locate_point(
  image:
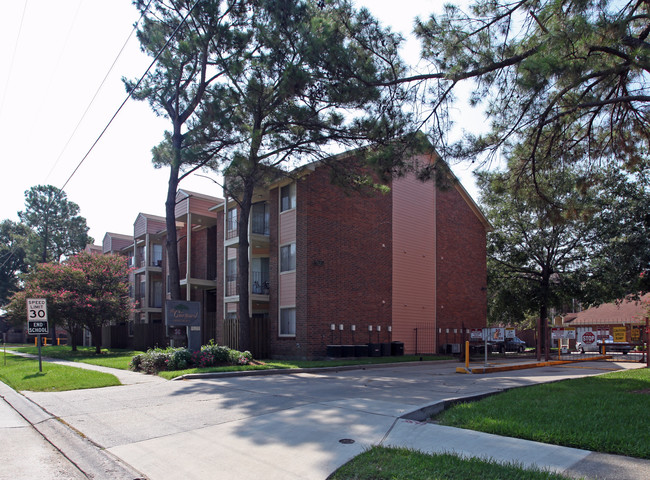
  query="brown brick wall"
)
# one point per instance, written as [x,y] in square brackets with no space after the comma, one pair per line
[343,267]
[461,268]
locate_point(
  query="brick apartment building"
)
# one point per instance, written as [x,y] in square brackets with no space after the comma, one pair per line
[328,266]
[331,266]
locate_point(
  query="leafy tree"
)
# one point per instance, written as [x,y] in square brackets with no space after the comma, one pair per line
[622,265]
[538,251]
[294,78]
[104,296]
[550,73]
[303,84]
[14,238]
[59,229]
[85,291]
[181,34]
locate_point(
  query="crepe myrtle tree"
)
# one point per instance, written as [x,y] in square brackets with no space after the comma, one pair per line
[85,291]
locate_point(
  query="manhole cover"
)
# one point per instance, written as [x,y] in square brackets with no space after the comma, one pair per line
[346,440]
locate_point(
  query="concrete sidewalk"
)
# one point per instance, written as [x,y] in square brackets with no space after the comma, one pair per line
[286,425]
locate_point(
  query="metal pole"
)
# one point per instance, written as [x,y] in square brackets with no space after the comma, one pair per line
[40,362]
[647,341]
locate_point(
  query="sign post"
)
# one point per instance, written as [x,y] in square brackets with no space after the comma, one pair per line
[37,322]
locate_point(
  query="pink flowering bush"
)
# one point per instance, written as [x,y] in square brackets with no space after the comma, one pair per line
[211,355]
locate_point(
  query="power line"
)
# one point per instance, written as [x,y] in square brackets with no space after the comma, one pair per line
[13,57]
[130,93]
[135,26]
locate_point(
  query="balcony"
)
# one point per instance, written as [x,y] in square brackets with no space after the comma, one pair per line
[260,283]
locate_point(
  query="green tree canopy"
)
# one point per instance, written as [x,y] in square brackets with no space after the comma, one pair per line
[538,249]
[85,291]
[182,35]
[304,85]
[59,229]
[549,73]
[14,239]
[293,79]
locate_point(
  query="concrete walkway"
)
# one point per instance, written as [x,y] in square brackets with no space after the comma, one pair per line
[283,426]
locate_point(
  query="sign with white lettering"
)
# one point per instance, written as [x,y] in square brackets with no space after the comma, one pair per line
[37,316]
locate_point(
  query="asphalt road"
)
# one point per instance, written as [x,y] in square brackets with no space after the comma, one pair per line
[273,427]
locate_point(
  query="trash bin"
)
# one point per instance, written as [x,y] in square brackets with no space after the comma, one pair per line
[347,350]
[374,349]
[385,349]
[334,351]
[361,350]
[397,348]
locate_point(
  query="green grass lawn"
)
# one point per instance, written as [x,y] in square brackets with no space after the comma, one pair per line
[380,463]
[291,364]
[113,358]
[605,413]
[22,373]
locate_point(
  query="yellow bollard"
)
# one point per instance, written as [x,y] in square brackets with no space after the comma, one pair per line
[36,341]
[58,341]
[466,353]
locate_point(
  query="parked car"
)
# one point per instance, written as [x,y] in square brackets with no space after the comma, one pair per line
[515,344]
[610,346]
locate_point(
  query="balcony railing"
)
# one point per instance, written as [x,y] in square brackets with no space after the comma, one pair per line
[260,224]
[231,228]
[260,283]
[232,288]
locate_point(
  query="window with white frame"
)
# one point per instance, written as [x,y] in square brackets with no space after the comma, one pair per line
[288,258]
[288,197]
[288,322]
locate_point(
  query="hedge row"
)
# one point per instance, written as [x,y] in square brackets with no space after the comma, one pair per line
[158,359]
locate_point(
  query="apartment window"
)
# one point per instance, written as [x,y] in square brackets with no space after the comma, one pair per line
[231,223]
[156,294]
[157,253]
[288,197]
[260,218]
[288,258]
[287,322]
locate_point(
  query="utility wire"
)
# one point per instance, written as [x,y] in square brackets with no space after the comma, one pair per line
[130,94]
[13,57]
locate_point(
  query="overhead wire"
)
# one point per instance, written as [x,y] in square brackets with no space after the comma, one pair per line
[130,93]
[13,57]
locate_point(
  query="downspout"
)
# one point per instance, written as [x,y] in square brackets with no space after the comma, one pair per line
[188,255]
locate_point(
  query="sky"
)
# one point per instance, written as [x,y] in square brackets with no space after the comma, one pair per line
[60,85]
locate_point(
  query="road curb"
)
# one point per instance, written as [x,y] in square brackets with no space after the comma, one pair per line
[91,459]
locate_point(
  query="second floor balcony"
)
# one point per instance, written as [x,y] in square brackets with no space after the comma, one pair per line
[259,284]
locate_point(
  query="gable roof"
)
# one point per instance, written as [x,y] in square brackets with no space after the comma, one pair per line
[627,311]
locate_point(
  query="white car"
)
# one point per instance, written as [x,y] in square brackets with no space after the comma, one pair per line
[610,346]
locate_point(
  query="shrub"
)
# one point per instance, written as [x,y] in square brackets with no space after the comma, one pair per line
[179,358]
[220,353]
[157,359]
[153,361]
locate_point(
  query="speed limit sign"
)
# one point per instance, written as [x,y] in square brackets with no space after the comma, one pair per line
[36,316]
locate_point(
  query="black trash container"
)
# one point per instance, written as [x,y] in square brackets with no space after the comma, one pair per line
[347,350]
[385,349]
[374,349]
[361,351]
[397,348]
[334,351]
